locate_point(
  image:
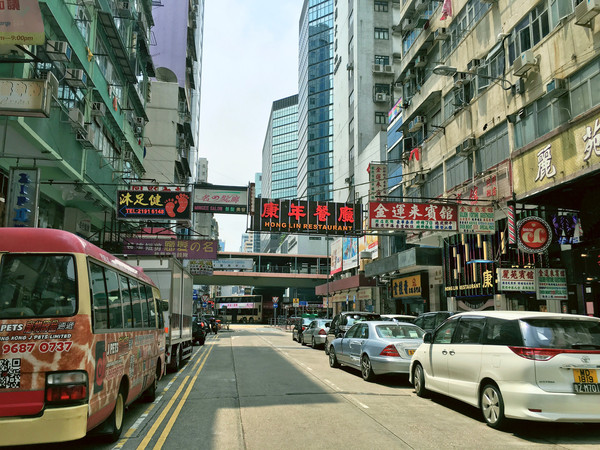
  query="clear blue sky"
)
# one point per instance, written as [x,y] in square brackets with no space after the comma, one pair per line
[250,60]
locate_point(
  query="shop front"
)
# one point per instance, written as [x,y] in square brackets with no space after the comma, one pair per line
[410,293]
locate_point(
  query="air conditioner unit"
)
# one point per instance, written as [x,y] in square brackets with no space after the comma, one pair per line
[98,109]
[410,73]
[408,24]
[377,68]
[420,61]
[123,8]
[586,11]
[467,147]
[140,121]
[416,124]
[381,97]
[418,180]
[127,155]
[556,87]
[58,50]
[138,131]
[473,65]
[441,34]
[388,69]
[421,5]
[76,78]
[524,62]
[407,145]
[77,118]
[460,79]
[86,136]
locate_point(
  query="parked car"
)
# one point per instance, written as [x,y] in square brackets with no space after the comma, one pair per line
[514,364]
[398,318]
[376,348]
[343,321]
[301,324]
[315,333]
[431,320]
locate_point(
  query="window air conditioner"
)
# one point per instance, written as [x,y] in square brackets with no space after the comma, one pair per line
[381,97]
[408,24]
[377,68]
[77,118]
[524,62]
[86,136]
[98,109]
[418,180]
[76,78]
[586,11]
[421,5]
[58,50]
[140,121]
[441,34]
[460,79]
[388,69]
[556,87]
[467,147]
[416,124]
[420,61]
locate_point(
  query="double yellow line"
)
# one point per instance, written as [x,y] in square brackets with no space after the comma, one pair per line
[163,436]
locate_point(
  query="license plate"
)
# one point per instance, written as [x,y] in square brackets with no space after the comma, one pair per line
[586,381]
[410,352]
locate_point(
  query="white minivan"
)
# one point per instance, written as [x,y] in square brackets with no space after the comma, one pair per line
[514,364]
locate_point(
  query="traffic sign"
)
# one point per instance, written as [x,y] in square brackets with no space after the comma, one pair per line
[275,300]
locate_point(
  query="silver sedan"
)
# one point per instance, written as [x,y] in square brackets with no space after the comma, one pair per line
[316,333]
[377,348]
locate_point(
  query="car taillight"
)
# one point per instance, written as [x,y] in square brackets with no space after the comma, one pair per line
[322,332]
[390,350]
[536,354]
[303,328]
[66,387]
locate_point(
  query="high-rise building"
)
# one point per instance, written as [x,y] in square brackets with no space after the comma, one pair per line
[315,101]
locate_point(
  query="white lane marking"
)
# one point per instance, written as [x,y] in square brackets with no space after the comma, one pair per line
[357,402]
[331,384]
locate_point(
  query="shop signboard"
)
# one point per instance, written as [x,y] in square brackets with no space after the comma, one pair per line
[350,252]
[306,217]
[413,216]
[551,284]
[474,219]
[201,267]
[153,205]
[378,181]
[220,199]
[233,264]
[179,248]
[516,279]
[336,251]
[21,23]
[23,197]
[534,234]
[407,287]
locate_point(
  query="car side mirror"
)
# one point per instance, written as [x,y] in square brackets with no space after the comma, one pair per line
[427,337]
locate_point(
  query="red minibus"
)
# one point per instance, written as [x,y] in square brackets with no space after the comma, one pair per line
[81,337]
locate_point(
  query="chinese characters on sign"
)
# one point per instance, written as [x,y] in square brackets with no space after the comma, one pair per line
[301,216]
[476,219]
[201,267]
[183,249]
[518,279]
[153,205]
[412,216]
[545,167]
[221,199]
[407,287]
[378,176]
[592,140]
[23,195]
[551,284]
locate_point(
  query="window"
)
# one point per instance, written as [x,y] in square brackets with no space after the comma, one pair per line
[458,169]
[493,148]
[382,33]
[383,60]
[540,118]
[469,331]
[380,6]
[529,32]
[99,297]
[435,183]
[352,332]
[585,88]
[126,299]
[380,118]
[444,333]
[139,315]
[115,313]
[502,332]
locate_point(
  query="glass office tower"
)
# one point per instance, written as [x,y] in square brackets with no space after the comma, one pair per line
[315,101]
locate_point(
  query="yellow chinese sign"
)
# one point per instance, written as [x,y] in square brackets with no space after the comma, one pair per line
[407,287]
[558,159]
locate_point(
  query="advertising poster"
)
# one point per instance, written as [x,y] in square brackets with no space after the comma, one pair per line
[335,253]
[350,253]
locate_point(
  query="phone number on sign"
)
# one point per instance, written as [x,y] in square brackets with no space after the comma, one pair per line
[43,347]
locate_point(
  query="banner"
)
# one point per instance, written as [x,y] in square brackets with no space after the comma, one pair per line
[179,248]
[152,205]
[412,216]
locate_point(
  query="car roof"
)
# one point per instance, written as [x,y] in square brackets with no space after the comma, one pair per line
[387,323]
[515,315]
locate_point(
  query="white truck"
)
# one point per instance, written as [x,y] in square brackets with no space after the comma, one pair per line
[176,291]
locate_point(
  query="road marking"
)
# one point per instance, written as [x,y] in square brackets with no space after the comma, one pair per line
[359,403]
[162,416]
[331,384]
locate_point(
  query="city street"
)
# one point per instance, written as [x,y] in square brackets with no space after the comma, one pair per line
[252,387]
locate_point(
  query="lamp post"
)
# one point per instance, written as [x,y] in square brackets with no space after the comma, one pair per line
[449,71]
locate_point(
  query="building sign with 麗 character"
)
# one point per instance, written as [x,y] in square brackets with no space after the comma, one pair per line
[152,205]
[302,216]
[179,248]
[407,287]
[220,199]
[412,216]
[516,279]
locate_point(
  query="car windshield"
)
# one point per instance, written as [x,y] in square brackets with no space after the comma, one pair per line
[321,323]
[37,286]
[392,331]
[565,334]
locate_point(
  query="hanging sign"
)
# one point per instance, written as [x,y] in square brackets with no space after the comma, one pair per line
[151,205]
[551,284]
[23,197]
[518,279]
[412,216]
[476,219]
[534,234]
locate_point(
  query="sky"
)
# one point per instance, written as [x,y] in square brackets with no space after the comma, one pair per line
[250,60]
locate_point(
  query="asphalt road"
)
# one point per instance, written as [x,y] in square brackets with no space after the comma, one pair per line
[254,388]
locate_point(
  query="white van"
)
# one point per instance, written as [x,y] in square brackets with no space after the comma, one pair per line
[514,364]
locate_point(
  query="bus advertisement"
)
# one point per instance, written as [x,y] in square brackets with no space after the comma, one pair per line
[80,337]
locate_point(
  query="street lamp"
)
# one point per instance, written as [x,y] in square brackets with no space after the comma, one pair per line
[449,71]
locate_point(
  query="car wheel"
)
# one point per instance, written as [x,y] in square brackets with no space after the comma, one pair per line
[326,347]
[333,362]
[419,381]
[366,368]
[492,406]
[302,339]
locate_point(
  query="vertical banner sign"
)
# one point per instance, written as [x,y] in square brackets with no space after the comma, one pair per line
[23,197]
[378,176]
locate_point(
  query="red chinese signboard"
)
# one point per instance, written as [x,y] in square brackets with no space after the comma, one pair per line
[301,216]
[534,235]
[412,216]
